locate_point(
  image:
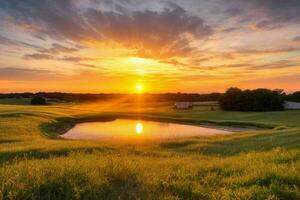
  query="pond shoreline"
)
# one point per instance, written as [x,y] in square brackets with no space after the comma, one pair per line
[141,130]
[62,125]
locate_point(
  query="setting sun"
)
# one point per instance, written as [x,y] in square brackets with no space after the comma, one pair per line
[139,88]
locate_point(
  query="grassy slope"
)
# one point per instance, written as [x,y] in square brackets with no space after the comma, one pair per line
[252,165]
[15,101]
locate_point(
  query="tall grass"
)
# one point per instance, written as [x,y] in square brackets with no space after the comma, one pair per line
[263,175]
[259,164]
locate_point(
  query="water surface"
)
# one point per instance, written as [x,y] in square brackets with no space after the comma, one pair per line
[123,129]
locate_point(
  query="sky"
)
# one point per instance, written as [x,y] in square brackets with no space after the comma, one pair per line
[166,46]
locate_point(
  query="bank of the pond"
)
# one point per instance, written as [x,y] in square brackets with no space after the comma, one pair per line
[60,126]
[131,130]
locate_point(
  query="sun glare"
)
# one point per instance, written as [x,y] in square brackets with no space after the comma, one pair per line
[137,60]
[139,88]
[139,128]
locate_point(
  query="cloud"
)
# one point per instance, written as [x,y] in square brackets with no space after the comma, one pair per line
[253,66]
[297,39]
[90,66]
[57,48]
[48,18]
[279,10]
[38,56]
[151,33]
[75,59]
[21,74]
[276,65]
[6,41]
[234,11]
[267,51]
[229,30]
[265,24]
[267,14]
[160,33]
[15,43]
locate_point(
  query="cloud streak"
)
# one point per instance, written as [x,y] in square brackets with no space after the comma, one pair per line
[23,74]
[74,59]
[58,48]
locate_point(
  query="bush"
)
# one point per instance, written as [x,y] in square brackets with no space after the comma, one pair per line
[38,100]
[236,99]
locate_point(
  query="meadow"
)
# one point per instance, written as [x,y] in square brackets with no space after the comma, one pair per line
[36,164]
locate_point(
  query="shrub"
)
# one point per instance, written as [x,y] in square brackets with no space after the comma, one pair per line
[38,100]
[236,99]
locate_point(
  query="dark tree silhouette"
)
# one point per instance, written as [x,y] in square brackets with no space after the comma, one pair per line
[236,99]
[38,100]
[294,97]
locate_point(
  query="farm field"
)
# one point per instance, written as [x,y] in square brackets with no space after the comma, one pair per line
[36,164]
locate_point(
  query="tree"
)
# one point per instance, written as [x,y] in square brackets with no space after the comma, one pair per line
[231,99]
[294,97]
[38,100]
[261,99]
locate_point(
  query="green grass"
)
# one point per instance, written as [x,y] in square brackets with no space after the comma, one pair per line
[36,164]
[15,101]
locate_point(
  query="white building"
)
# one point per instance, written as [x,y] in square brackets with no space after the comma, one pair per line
[183,105]
[289,105]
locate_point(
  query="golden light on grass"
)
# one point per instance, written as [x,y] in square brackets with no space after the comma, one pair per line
[139,128]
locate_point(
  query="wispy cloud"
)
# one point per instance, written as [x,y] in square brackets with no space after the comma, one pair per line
[58,48]
[23,74]
[38,56]
[296,39]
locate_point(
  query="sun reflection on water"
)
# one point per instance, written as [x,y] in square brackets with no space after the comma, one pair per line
[139,128]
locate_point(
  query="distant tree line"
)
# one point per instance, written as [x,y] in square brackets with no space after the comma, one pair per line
[16,95]
[81,97]
[233,99]
[236,99]
[182,97]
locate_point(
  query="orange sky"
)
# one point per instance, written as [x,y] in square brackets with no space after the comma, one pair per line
[112,46]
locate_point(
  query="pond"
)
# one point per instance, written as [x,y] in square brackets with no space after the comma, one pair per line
[124,129]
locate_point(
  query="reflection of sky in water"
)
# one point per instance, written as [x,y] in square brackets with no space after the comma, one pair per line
[137,130]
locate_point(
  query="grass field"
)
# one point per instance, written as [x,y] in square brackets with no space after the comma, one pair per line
[36,164]
[15,101]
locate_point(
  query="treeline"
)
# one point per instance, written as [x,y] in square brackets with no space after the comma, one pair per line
[65,97]
[233,99]
[16,95]
[236,99]
[81,97]
[182,97]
